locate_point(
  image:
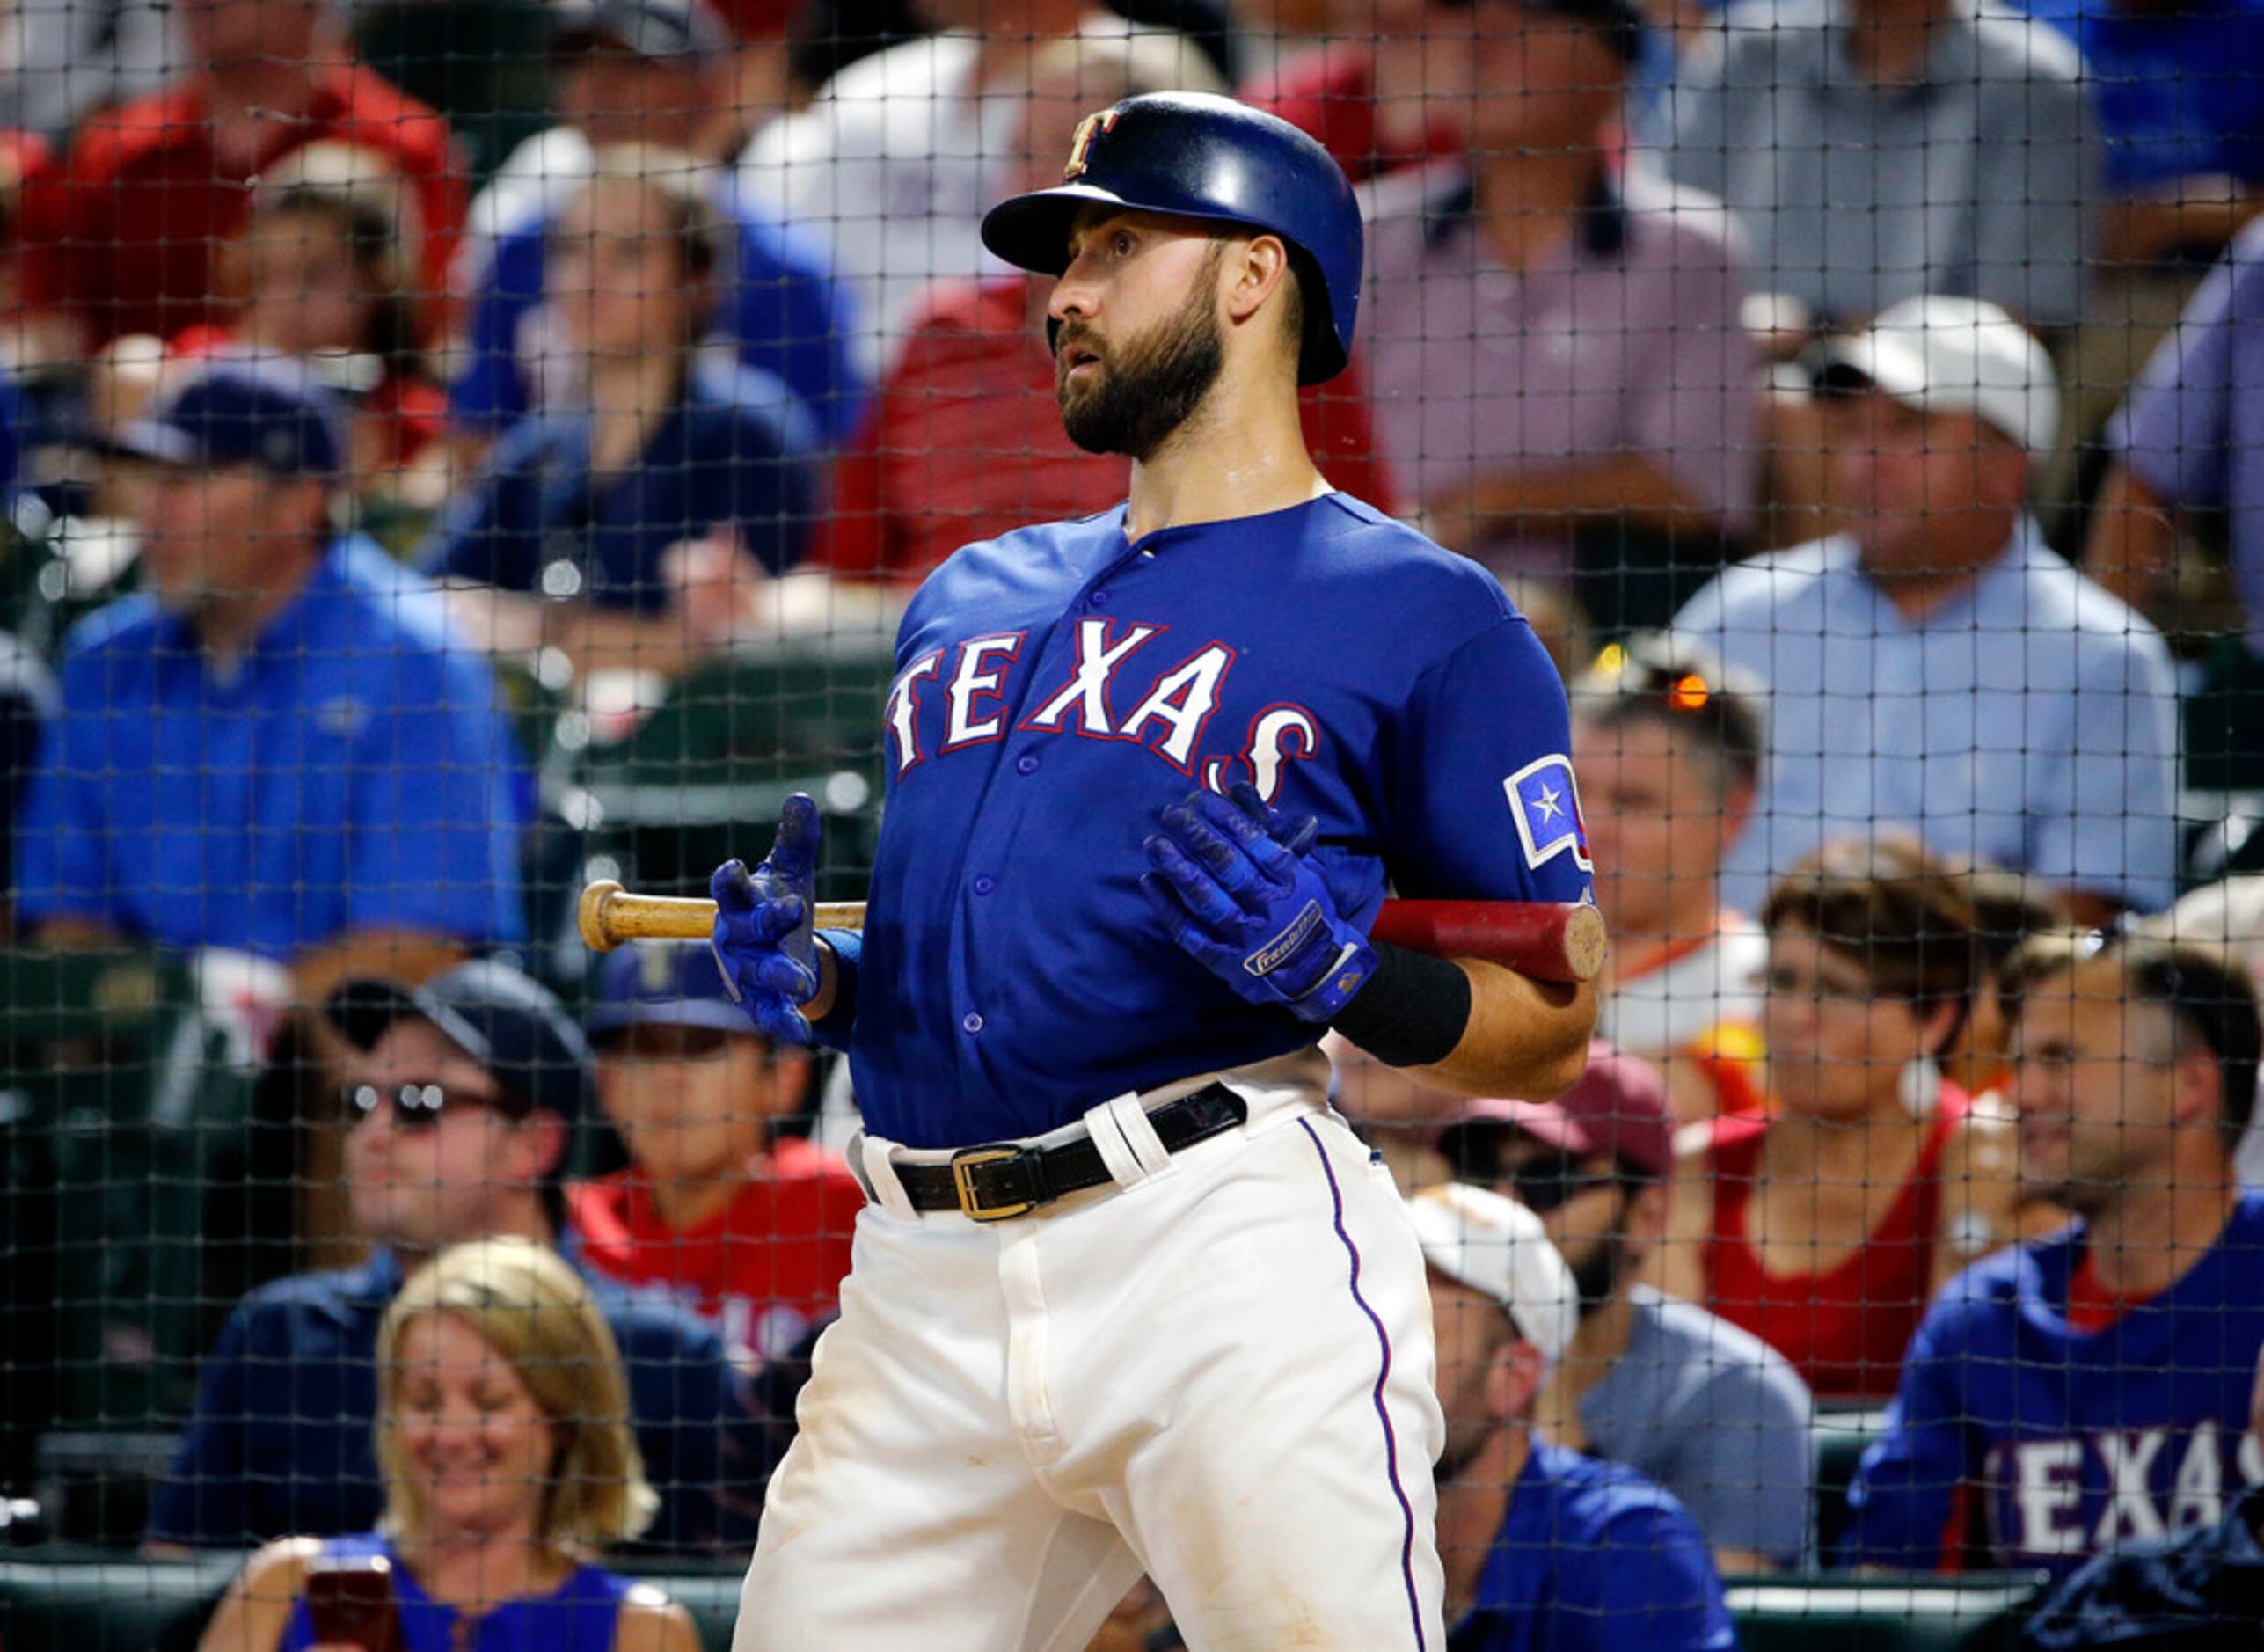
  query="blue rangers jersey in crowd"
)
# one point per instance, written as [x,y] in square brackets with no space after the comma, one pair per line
[2068,1442]
[1056,688]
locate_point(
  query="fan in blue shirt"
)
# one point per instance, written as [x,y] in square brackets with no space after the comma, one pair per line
[2093,1389]
[277,747]
[660,462]
[1545,1550]
[652,72]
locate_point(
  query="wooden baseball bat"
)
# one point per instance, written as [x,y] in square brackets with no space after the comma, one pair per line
[1547,940]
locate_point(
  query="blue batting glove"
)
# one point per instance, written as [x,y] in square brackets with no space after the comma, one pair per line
[763,941]
[1237,886]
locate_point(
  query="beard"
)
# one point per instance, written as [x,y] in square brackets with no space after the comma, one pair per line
[1147,389]
[1596,1275]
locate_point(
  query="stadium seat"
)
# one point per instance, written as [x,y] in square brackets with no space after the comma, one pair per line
[119,1107]
[1866,1615]
[1841,1435]
[695,782]
[107,1605]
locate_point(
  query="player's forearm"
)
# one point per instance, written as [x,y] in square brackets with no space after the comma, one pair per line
[1526,1039]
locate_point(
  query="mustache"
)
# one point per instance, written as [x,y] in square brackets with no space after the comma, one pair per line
[1068,335]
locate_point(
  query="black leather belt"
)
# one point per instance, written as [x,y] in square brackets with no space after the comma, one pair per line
[991,1184]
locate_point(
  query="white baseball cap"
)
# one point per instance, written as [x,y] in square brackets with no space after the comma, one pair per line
[1499,1248]
[1944,355]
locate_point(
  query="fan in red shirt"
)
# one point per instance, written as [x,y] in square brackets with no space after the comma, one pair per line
[1826,1225]
[120,236]
[749,1228]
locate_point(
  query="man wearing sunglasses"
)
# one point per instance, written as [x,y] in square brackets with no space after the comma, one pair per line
[461,1096]
[1706,1410]
[746,1225]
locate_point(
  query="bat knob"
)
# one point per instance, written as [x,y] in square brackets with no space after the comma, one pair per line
[590,915]
[1587,942]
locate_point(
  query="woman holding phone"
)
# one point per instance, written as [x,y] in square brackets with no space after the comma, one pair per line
[503,1437]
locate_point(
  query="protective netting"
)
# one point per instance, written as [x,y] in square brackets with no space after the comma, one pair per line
[457,452]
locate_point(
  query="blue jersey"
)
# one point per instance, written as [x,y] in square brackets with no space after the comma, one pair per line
[1592,1557]
[582,1614]
[354,770]
[2069,1441]
[1056,688]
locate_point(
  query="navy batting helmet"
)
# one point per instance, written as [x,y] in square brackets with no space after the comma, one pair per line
[1198,155]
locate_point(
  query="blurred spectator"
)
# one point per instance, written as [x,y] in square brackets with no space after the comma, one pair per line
[2189,446]
[318,272]
[633,520]
[278,747]
[122,236]
[1371,90]
[965,441]
[1669,745]
[1541,1546]
[747,1226]
[1936,667]
[462,1096]
[652,72]
[1877,150]
[1709,1412]
[1274,29]
[62,59]
[899,155]
[2189,1591]
[1608,301]
[509,1462]
[1825,1225]
[2094,1388]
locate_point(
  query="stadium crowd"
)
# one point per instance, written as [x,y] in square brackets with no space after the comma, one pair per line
[1864,398]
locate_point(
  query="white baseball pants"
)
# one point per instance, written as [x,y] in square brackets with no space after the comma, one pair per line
[1218,1371]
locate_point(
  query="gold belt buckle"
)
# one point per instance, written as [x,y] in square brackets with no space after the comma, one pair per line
[962,1182]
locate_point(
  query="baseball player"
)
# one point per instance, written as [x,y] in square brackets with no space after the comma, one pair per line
[1127,1295]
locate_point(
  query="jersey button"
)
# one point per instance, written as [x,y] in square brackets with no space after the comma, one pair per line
[970,1023]
[1026,764]
[984,885]
[1101,599]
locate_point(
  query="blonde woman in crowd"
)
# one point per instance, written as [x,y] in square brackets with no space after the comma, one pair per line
[504,1440]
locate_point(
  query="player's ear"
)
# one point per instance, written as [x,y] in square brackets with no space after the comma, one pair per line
[1253,271]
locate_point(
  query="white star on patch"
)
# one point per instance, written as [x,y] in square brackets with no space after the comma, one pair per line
[1551,803]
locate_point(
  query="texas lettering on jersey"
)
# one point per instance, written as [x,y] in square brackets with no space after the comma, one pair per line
[2075,1493]
[1127,685]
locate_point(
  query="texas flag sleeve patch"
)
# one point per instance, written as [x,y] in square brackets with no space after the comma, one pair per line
[1545,804]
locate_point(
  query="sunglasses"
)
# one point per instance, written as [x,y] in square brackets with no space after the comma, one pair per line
[1542,1185]
[416,1107]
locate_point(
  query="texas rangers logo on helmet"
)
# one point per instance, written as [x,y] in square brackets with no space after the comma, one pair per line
[1545,803]
[1091,128]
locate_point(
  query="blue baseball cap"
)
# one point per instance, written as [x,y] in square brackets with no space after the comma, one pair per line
[665,984]
[498,1014]
[269,414]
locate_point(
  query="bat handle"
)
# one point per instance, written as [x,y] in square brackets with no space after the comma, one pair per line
[610,914]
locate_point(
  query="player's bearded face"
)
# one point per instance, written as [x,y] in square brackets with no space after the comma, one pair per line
[1140,389]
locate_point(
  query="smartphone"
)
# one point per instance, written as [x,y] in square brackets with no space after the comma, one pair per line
[350,1600]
